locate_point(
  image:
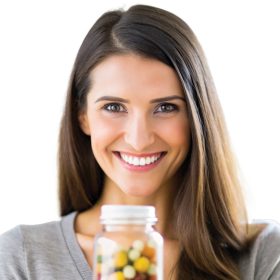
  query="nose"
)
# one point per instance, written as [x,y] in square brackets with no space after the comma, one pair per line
[139,132]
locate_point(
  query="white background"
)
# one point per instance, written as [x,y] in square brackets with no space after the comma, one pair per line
[38,44]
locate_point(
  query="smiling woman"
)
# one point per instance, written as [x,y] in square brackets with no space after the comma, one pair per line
[143,125]
[144,136]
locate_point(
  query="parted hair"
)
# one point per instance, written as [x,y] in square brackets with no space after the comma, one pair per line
[209,210]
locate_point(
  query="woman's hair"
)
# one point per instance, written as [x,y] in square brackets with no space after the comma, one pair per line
[209,211]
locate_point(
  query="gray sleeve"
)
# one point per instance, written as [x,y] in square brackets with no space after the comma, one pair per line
[268,253]
[12,255]
[276,272]
[262,260]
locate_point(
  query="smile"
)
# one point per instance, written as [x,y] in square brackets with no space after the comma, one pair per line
[140,162]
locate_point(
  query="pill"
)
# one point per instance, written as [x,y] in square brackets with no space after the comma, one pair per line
[116,276]
[142,264]
[129,272]
[138,244]
[120,259]
[133,254]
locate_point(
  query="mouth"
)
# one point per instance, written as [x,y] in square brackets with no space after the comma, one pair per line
[140,162]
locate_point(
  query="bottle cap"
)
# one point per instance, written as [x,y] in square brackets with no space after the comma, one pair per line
[124,214]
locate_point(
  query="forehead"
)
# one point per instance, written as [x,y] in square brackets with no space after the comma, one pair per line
[133,73]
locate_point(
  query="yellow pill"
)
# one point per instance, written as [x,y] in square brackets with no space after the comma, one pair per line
[142,264]
[116,276]
[99,267]
[120,259]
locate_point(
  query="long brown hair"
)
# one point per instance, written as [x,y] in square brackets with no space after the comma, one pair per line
[210,213]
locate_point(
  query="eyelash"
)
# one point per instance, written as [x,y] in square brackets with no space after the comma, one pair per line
[109,105]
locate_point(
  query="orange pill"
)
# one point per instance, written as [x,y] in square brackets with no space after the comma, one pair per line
[148,252]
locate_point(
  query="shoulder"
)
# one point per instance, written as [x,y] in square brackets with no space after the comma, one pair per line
[268,236]
[10,235]
[10,241]
[12,260]
[41,233]
[21,243]
[27,234]
[262,258]
[23,235]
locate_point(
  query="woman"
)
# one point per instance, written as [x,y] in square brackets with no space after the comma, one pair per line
[143,125]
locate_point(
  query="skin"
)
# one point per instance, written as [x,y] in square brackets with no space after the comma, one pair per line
[140,126]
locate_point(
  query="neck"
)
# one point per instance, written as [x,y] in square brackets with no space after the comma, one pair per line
[162,201]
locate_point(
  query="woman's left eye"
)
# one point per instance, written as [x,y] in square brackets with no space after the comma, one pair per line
[166,108]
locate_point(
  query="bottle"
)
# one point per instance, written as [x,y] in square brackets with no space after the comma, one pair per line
[129,247]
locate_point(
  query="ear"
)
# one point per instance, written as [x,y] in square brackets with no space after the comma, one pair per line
[84,123]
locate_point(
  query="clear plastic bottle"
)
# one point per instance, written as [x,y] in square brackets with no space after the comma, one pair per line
[128,248]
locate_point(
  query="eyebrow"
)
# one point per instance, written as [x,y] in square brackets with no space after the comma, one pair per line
[162,99]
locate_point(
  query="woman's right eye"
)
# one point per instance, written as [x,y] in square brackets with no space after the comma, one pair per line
[114,108]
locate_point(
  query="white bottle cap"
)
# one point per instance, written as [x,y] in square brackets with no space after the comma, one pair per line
[127,214]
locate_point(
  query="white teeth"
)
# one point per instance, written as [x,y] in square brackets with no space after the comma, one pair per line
[139,161]
[142,161]
[130,160]
[135,161]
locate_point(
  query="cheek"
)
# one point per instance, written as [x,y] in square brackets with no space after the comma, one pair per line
[176,133]
[103,132]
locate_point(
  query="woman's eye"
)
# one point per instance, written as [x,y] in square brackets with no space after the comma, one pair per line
[114,107]
[166,108]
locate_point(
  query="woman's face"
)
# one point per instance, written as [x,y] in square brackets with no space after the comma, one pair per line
[137,120]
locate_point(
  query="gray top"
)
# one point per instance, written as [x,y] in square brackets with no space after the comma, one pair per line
[51,251]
